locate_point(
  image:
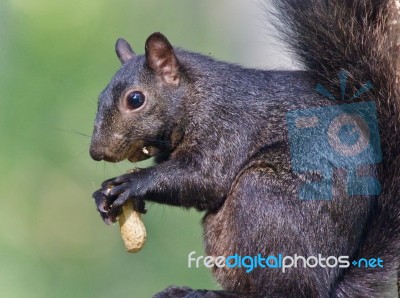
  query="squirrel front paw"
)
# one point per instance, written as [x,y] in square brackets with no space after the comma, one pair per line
[113,195]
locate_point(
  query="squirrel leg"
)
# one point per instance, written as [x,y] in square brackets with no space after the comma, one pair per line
[185,292]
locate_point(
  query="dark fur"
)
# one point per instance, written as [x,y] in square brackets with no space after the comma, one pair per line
[221,136]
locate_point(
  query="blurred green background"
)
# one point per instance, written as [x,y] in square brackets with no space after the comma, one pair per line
[55,58]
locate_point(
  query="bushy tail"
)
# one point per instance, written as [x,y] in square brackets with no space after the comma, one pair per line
[361,37]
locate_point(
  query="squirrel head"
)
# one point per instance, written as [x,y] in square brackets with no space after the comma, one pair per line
[136,108]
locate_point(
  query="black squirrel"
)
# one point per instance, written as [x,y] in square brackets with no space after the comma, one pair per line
[220,139]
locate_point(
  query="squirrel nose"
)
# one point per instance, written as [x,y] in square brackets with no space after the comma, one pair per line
[96,153]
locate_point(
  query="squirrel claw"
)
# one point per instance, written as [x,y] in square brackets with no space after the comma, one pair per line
[124,193]
[101,201]
[109,201]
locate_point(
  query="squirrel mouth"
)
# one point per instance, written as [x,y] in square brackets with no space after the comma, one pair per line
[139,153]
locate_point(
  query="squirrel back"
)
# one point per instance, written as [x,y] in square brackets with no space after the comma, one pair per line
[361,37]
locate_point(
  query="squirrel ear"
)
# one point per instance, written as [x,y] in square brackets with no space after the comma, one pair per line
[124,50]
[160,57]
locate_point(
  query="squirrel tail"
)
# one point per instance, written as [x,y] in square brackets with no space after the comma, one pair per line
[362,38]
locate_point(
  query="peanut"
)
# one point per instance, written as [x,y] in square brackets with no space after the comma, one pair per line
[133,231]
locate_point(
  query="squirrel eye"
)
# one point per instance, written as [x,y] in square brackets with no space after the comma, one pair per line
[135,100]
